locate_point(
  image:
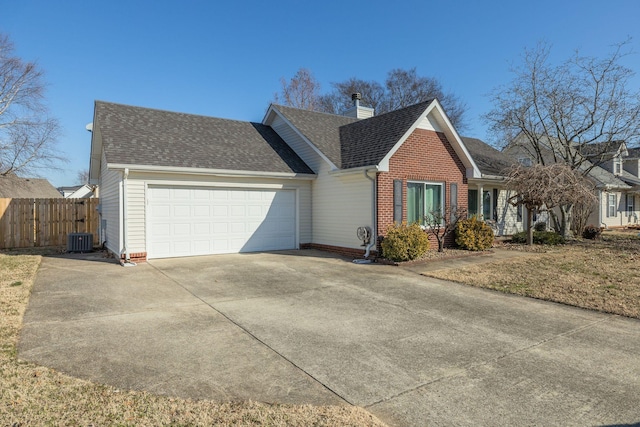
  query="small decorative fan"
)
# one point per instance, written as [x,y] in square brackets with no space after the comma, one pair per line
[364,234]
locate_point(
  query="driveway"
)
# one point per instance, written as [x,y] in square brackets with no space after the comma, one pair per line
[308,327]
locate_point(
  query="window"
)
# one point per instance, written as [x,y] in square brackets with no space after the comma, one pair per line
[472,197]
[423,198]
[486,205]
[519,210]
[612,203]
[617,167]
[631,199]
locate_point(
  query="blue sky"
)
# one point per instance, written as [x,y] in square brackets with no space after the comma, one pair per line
[225,59]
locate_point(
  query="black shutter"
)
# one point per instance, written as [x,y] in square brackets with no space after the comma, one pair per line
[453,198]
[397,200]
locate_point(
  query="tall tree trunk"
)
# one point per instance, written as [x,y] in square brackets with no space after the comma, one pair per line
[567,211]
[530,226]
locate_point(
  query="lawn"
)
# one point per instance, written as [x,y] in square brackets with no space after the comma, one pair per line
[602,275]
[35,395]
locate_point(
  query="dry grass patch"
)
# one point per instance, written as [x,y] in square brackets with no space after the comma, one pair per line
[33,395]
[601,275]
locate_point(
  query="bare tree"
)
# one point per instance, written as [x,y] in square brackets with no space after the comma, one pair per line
[544,187]
[406,87]
[339,100]
[83,176]
[441,223]
[302,91]
[27,134]
[574,113]
[401,88]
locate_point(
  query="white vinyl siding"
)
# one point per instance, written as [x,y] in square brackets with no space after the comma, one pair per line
[135,215]
[110,206]
[341,204]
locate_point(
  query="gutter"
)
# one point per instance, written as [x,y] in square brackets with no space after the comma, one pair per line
[217,172]
[125,229]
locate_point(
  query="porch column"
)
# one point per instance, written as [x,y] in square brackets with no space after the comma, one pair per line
[480,199]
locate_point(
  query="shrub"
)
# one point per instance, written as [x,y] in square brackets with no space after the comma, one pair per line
[405,242]
[591,232]
[539,238]
[540,226]
[473,234]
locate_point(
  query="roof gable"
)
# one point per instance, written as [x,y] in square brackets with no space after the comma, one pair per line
[147,137]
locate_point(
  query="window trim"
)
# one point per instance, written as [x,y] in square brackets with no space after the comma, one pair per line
[612,197]
[443,194]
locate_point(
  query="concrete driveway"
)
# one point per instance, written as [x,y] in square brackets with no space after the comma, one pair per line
[307,327]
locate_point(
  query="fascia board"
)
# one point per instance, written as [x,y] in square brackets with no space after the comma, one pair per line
[202,171]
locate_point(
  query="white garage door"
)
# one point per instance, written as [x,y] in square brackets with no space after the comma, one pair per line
[202,221]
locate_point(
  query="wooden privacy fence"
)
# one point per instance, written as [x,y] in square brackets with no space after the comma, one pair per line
[28,223]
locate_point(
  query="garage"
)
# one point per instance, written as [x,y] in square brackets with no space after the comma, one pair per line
[185,221]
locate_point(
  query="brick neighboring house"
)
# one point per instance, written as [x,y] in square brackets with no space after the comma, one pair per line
[174,184]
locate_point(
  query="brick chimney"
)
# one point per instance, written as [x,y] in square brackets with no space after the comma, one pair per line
[358,111]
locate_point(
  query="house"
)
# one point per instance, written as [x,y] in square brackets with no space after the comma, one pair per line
[613,170]
[488,195]
[84,191]
[13,187]
[175,184]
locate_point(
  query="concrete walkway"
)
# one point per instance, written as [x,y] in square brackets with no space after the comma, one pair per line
[307,327]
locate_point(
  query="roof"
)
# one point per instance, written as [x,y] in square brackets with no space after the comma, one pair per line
[489,160]
[14,187]
[348,142]
[634,153]
[143,136]
[321,129]
[602,149]
[367,142]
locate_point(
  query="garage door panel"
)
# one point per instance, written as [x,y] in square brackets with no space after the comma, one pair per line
[184,221]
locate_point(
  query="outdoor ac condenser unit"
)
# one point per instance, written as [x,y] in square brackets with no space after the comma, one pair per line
[79,242]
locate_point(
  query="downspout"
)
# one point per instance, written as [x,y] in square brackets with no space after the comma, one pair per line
[374,201]
[125,230]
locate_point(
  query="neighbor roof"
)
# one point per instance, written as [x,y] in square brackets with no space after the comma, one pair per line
[634,153]
[489,160]
[143,136]
[14,187]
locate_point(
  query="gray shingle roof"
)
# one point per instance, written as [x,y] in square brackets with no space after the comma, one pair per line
[321,129]
[634,153]
[14,187]
[144,136]
[350,142]
[489,160]
[367,142]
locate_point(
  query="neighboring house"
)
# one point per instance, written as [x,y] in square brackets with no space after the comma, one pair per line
[84,191]
[614,173]
[488,196]
[175,184]
[13,187]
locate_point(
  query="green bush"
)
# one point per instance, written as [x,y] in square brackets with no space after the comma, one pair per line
[591,232]
[405,242]
[540,226]
[539,238]
[473,234]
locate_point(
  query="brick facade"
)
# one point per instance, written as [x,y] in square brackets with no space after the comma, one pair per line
[424,156]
